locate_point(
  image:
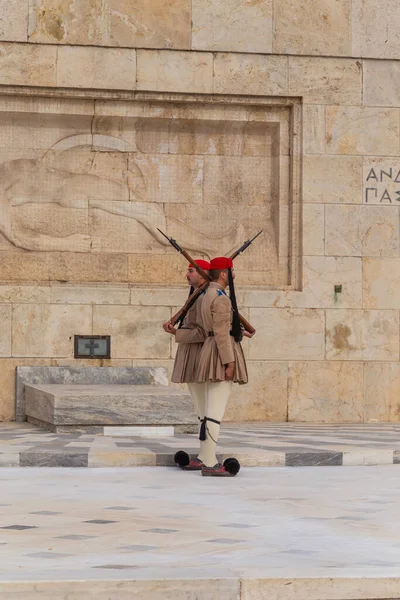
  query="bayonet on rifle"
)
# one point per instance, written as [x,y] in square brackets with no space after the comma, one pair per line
[245,245]
[191,260]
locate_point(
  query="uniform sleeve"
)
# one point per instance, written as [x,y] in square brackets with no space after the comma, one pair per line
[191,332]
[221,317]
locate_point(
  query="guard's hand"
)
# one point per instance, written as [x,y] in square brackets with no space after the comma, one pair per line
[166,325]
[169,328]
[229,371]
[248,334]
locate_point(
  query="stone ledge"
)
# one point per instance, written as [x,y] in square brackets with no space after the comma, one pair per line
[228,587]
[84,406]
[84,376]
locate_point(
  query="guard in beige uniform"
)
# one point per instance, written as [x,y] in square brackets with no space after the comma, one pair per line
[190,337]
[221,362]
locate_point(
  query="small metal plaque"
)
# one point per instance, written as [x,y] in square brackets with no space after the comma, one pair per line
[92,346]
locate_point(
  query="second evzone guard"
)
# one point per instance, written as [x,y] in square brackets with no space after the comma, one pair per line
[221,362]
[190,336]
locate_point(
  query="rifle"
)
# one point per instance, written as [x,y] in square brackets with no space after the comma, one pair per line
[193,297]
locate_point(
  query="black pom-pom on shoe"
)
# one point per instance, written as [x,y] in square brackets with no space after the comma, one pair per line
[232,465]
[182,458]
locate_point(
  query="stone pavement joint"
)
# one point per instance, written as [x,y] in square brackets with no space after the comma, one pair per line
[253,444]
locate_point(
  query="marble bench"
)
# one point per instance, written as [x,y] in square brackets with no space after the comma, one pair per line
[93,407]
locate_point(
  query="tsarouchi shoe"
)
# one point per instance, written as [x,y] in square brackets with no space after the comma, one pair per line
[217,470]
[194,465]
[183,460]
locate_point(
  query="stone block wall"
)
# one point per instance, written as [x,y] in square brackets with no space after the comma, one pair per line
[325,302]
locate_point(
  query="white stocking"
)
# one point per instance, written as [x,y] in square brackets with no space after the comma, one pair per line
[217,395]
[198,393]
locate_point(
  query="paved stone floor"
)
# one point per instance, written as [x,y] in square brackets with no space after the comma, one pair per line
[261,444]
[276,533]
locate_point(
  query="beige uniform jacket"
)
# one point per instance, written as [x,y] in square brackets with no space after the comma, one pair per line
[190,338]
[219,348]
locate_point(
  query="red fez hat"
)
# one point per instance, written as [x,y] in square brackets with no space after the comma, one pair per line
[202,263]
[220,263]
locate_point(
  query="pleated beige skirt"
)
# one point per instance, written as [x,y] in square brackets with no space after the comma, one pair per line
[210,367]
[186,363]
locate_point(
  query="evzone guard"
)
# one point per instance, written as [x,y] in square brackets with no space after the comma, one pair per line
[190,336]
[221,362]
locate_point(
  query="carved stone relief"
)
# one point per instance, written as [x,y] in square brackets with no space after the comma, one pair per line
[211,178]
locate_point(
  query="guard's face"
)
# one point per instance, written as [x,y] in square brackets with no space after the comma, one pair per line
[225,275]
[193,278]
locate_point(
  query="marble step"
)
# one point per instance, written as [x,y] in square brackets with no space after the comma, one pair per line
[29,375]
[63,407]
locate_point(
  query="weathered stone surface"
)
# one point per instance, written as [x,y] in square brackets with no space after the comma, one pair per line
[14,21]
[325,80]
[232,25]
[156,296]
[68,21]
[141,269]
[354,130]
[176,589]
[313,229]
[136,332]
[41,132]
[235,180]
[8,397]
[101,68]
[326,392]
[255,74]
[362,335]
[332,179]
[381,82]
[375,37]
[108,404]
[382,391]
[362,230]
[300,333]
[23,64]
[53,459]
[168,169]
[314,129]
[381,278]
[320,27]
[320,276]
[48,108]
[144,24]
[29,294]
[63,266]
[264,398]
[90,294]
[5,329]
[82,375]
[173,71]
[48,329]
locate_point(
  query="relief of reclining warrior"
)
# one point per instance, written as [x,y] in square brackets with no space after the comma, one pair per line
[44,181]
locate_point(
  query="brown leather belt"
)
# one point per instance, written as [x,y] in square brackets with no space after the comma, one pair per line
[211,334]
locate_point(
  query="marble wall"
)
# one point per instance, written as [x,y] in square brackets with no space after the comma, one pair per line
[117,117]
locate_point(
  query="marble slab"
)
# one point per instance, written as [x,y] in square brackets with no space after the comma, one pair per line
[77,405]
[84,375]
